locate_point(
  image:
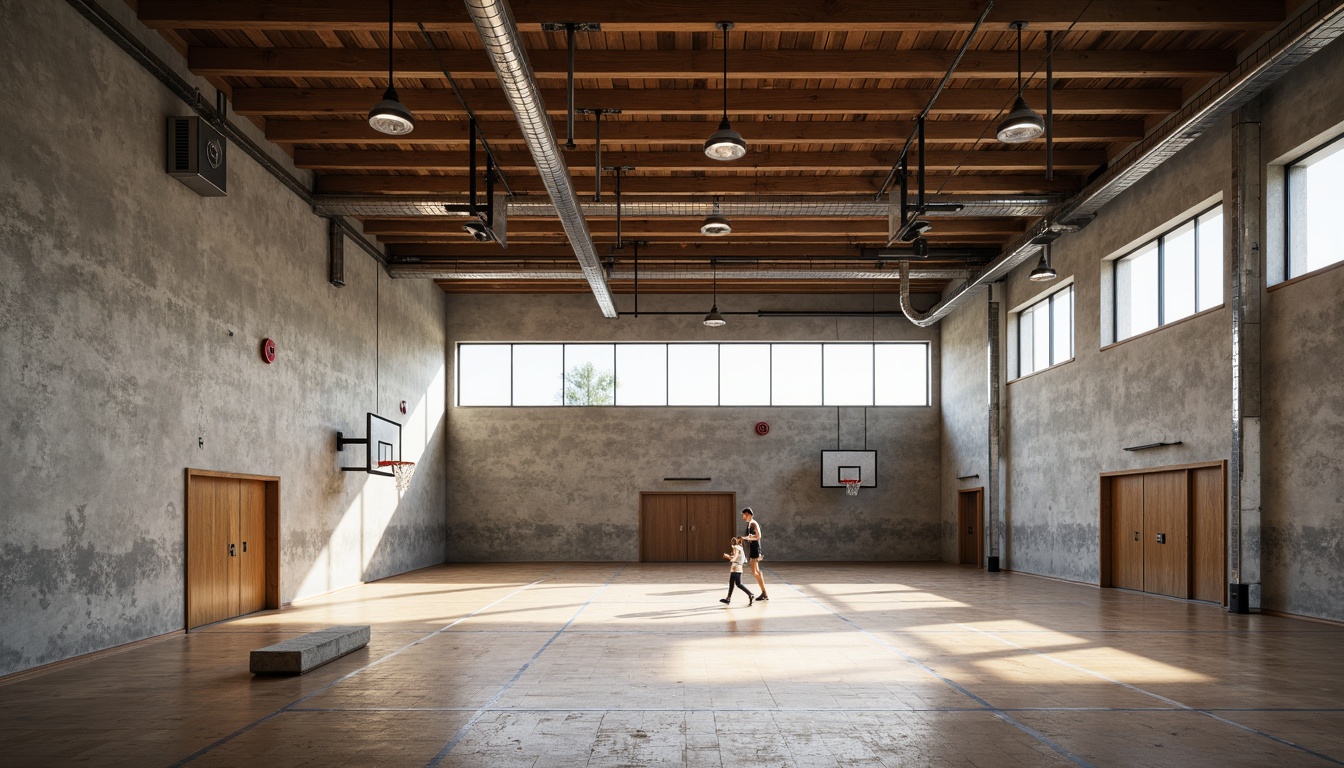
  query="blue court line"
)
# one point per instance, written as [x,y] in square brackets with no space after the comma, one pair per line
[1178,705]
[290,706]
[954,685]
[462,732]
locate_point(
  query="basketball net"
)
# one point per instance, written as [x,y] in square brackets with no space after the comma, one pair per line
[852,487]
[402,470]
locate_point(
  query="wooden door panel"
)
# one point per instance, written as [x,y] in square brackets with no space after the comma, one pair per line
[709,525]
[662,528]
[211,509]
[1208,548]
[1166,522]
[968,527]
[251,546]
[1127,532]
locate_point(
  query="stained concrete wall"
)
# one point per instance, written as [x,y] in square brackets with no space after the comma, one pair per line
[1303,420]
[1065,426]
[131,316]
[965,404]
[564,483]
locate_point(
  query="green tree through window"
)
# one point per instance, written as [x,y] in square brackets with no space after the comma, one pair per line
[586,385]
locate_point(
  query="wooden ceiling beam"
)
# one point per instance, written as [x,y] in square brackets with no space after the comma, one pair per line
[582,162]
[1121,102]
[684,64]
[700,15]
[453,133]
[635,229]
[706,248]
[758,184]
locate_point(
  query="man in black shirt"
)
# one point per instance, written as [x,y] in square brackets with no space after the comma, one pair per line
[753,539]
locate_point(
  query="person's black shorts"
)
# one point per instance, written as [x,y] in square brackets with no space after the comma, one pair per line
[753,551]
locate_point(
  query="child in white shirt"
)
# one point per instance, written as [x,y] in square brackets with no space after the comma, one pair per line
[736,559]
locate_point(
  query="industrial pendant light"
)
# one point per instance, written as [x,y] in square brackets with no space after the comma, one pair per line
[1043,272]
[714,319]
[1022,123]
[725,143]
[716,224]
[390,116]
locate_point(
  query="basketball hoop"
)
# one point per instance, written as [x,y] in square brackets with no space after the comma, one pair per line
[852,487]
[402,470]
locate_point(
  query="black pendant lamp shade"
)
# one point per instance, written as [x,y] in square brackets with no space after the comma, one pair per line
[714,319]
[725,143]
[1043,272]
[390,116]
[1022,123]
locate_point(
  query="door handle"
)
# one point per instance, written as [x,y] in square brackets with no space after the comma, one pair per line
[1136,535]
[231,552]
[244,546]
[681,528]
[1161,538]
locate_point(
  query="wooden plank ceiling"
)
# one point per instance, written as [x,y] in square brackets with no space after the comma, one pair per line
[825,95]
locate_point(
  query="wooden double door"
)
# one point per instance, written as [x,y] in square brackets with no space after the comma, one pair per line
[231,546]
[685,527]
[1164,531]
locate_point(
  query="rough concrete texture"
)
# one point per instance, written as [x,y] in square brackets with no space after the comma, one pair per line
[965,444]
[564,483]
[131,316]
[300,654]
[1303,412]
[1065,426]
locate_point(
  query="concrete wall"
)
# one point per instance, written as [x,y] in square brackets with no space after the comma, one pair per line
[1066,425]
[131,315]
[564,483]
[1303,479]
[965,403]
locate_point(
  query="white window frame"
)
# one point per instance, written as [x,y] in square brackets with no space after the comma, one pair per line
[869,397]
[1110,303]
[1295,254]
[1016,325]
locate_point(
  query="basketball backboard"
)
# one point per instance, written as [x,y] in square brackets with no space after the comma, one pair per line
[381,442]
[838,466]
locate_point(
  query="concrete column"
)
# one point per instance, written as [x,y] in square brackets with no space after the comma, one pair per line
[992,503]
[1247,223]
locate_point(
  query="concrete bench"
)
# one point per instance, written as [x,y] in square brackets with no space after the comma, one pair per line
[300,654]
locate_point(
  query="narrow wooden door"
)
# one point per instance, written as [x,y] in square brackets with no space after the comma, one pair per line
[212,574]
[1127,532]
[251,549]
[709,523]
[1208,550]
[1166,525]
[969,514]
[662,528]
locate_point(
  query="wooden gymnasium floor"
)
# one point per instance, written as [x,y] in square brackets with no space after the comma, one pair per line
[639,665]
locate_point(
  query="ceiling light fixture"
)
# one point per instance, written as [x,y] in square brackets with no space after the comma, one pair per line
[1022,123]
[1043,271]
[714,319]
[725,143]
[716,226]
[390,116]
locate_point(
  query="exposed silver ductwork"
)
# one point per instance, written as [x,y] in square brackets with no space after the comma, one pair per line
[502,42]
[847,207]
[1316,26]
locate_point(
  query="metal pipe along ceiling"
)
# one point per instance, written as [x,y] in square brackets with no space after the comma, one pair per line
[500,35]
[1294,41]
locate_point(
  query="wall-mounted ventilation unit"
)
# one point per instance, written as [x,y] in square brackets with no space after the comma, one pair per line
[196,156]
